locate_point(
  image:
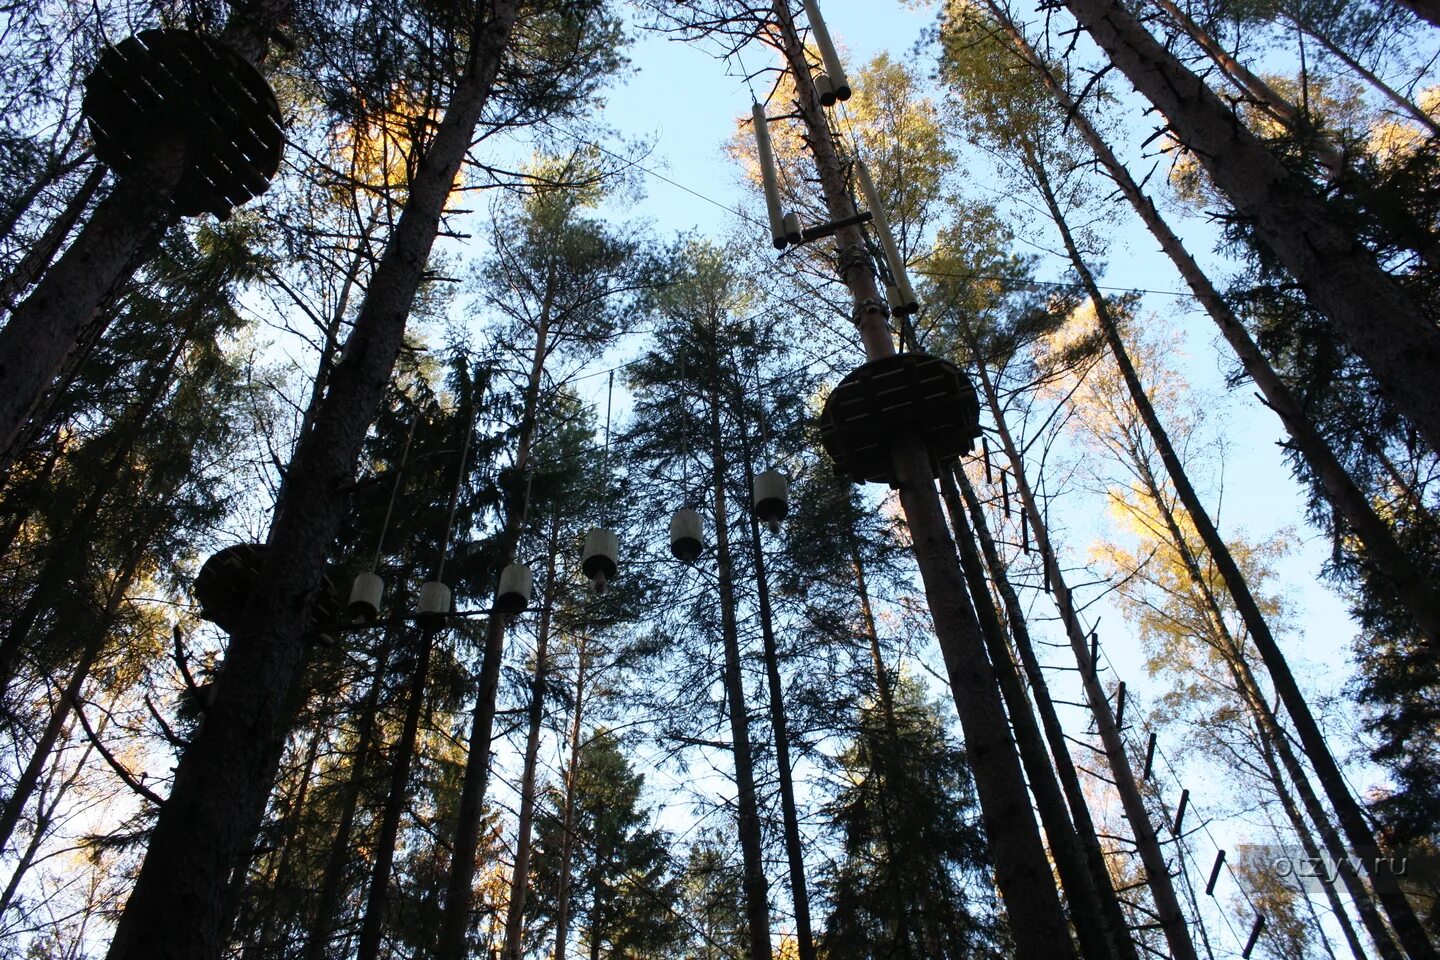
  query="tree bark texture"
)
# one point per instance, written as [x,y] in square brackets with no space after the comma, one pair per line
[175,909]
[1368,309]
[1049,719]
[1094,928]
[794,848]
[567,814]
[757,891]
[520,874]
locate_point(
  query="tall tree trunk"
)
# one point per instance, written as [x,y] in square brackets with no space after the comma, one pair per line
[175,909]
[567,815]
[1260,93]
[43,250]
[1415,589]
[794,849]
[65,307]
[1397,908]
[372,925]
[757,892]
[1049,718]
[1367,308]
[328,901]
[1306,837]
[1157,871]
[520,874]
[1021,869]
[1251,695]
[460,884]
[1095,926]
[877,658]
[882,758]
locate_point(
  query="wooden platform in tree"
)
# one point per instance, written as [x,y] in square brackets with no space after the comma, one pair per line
[169,89]
[228,579]
[886,397]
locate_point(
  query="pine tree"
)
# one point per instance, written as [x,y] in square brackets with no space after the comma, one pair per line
[905,884]
[624,884]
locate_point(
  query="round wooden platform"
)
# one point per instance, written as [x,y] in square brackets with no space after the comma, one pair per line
[226,581]
[168,88]
[888,396]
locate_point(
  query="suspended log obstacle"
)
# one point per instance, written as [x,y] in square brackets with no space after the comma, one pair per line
[687,535]
[166,91]
[599,562]
[898,291]
[891,396]
[786,228]
[771,499]
[516,584]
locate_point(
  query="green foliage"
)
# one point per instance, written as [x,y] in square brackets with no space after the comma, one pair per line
[623,887]
[909,878]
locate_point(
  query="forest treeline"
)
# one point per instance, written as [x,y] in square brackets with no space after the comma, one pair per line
[407,552]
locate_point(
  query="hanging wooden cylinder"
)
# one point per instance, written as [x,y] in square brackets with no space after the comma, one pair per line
[599,560]
[769,178]
[365,594]
[826,89]
[831,59]
[894,299]
[687,535]
[516,583]
[908,302]
[172,89]
[794,230]
[434,604]
[771,498]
